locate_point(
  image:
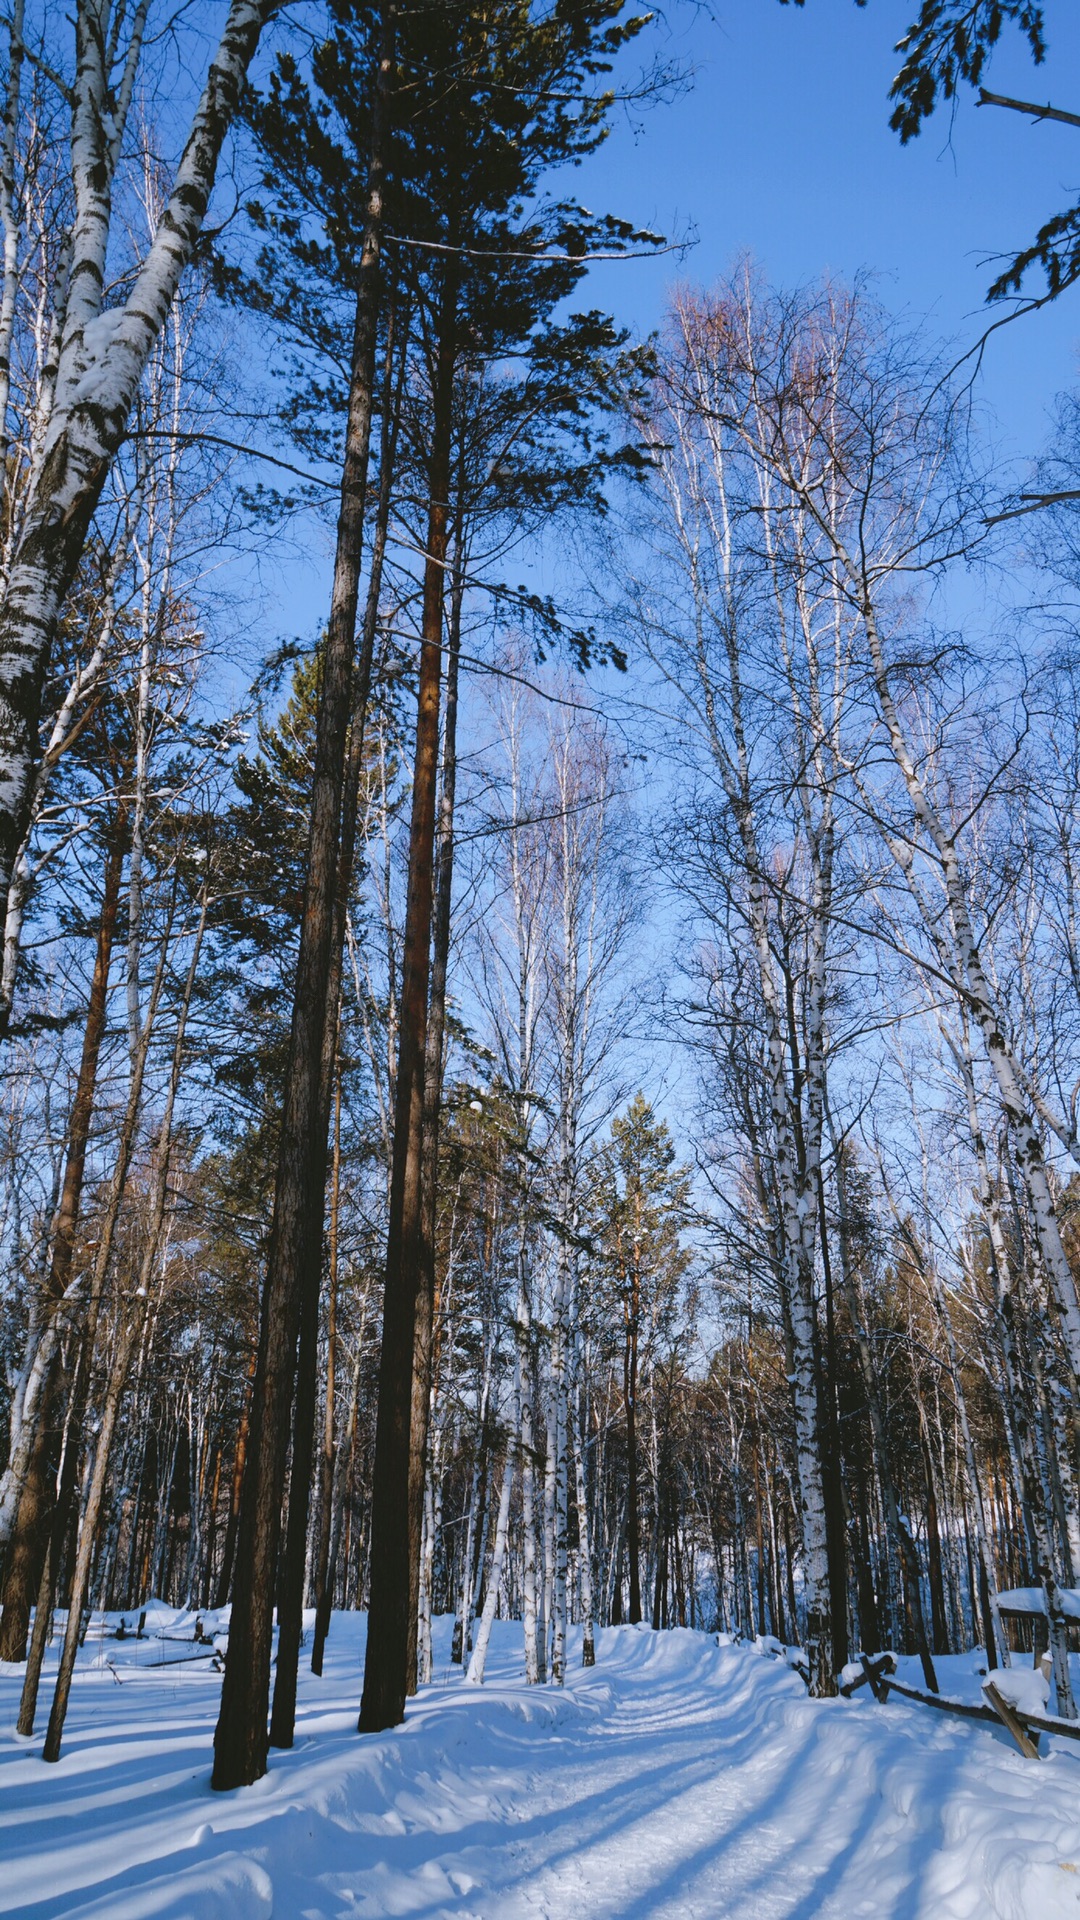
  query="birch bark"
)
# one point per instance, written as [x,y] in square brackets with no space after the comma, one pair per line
[475,1674]
[585,1562]
[101,361]
[1019,1409]
[795,1171]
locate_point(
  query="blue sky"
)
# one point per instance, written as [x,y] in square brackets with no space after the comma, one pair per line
[782,149]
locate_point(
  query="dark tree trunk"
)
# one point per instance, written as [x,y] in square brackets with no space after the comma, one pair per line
[27,1548]
[386,1666]
[680,1584]
[987,1612]
[832,1463]
[327,1457]
[228,1552]
[939,1625]
[433,1079]
[210,1548]
[633,1521]
[26,1553]
[291,1569]
[869,1622]
[290,1608]
[240,1741]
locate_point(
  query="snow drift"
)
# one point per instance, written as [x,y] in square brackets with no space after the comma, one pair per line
[675,1778]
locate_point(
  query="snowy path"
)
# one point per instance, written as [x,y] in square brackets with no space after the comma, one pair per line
[676,1779]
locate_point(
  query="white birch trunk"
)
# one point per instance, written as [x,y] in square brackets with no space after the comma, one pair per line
[965,966]
[102,359]
[475,1674]
[465,1612]
[424,1651]
[588,1640]
[560,1489]
[64,732]
[527,1450]
[547,1590]
[796,1112]
[9,224]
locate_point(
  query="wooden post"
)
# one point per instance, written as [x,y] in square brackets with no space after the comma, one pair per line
[1010,1719]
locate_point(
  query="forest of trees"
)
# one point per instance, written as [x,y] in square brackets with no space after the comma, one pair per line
[551,1091]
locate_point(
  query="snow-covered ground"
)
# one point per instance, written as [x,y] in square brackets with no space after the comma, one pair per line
[674,1779]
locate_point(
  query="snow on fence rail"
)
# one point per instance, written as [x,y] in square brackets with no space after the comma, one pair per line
[1013,1698]
[1020,1603]
[154,1635]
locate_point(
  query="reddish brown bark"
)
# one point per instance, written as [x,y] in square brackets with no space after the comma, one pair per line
[241,1737]
[386,1667]
[433,1079]
[35,1502]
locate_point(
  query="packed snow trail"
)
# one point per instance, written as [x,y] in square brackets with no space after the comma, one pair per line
[673,1779]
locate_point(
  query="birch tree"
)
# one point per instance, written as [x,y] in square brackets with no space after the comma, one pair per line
[102,351]
[735,587]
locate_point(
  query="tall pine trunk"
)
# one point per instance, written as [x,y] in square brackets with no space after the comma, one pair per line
[394,1528]
[350,809]
[434,1053]
[240,1740]
[327,1455]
